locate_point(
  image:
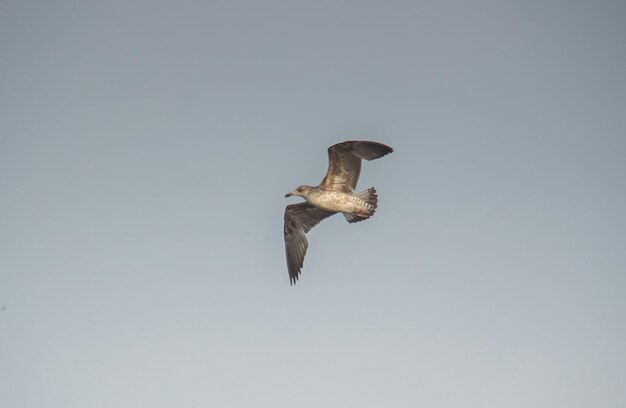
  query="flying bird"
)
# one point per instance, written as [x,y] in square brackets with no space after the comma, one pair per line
[334,194]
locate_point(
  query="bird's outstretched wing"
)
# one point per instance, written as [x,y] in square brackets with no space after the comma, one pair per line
[344,163]
[299,219]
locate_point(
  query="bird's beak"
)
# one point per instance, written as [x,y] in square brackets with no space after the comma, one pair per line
[288,194]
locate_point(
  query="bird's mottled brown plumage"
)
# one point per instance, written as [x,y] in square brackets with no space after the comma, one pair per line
[334,194]
[299,219]
[344,163]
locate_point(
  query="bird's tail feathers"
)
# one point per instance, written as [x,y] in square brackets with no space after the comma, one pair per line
[370,199]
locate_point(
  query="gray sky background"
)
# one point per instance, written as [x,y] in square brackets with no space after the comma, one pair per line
[146,147]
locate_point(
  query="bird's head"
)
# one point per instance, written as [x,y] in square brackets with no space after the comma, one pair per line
[300,191]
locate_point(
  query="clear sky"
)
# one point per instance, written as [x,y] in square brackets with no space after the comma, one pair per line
[146,147]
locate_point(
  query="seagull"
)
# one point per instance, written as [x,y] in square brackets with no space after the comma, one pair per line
[333,195]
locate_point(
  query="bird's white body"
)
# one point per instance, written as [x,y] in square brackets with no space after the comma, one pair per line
[337,201]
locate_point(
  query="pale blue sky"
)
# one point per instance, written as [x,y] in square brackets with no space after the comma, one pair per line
[146,147]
